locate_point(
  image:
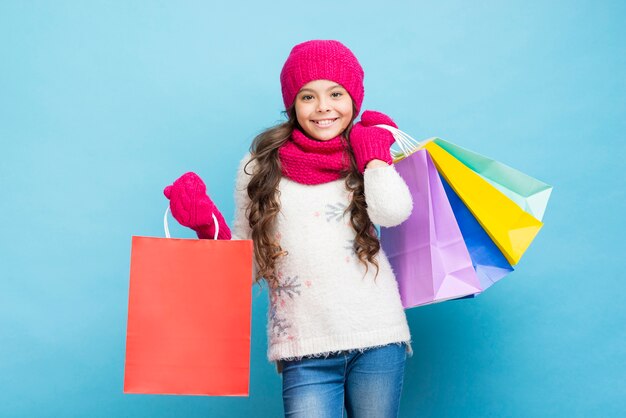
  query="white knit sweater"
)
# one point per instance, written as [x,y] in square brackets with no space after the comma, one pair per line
[325,302]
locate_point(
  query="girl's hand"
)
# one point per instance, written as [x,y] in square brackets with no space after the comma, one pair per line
[371,143]
[193,208]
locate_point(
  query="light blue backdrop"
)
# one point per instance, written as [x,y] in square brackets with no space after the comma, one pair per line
[104,103]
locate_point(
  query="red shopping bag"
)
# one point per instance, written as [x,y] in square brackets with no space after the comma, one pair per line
[189,317]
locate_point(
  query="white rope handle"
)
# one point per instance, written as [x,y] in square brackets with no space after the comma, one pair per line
[407,144]
[167,229]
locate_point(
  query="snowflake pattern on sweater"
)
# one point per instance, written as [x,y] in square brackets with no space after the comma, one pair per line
[282,296]
[335,211]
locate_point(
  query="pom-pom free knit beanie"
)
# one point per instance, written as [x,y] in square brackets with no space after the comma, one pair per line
[321,60]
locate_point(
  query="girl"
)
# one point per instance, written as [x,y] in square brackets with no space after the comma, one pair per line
[308,194]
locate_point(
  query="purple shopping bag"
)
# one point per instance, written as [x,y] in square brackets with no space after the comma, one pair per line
[427,251]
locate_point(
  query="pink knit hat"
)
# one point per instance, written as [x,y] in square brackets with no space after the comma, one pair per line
[321,60]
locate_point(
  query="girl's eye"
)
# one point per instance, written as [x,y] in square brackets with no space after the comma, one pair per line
[306,97]
[336,94]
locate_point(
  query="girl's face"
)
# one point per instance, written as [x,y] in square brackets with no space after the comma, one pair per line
[323,109]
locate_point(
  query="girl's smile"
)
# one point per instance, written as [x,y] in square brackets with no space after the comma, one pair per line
[325,123]
[324,109]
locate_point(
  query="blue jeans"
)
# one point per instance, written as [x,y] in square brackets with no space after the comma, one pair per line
[367,384]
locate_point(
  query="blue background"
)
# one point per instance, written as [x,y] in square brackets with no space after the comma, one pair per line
[103,103]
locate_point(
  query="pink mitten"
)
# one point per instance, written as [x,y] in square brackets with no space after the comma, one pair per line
[192,207]
[370,143]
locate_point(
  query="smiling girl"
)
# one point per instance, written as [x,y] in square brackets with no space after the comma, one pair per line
[308,194]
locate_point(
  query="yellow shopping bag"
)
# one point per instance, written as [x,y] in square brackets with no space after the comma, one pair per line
[510,228]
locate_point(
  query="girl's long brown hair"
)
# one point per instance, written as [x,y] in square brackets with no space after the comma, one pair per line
[265,206]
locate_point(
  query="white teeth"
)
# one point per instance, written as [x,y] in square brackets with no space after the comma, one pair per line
[324,122]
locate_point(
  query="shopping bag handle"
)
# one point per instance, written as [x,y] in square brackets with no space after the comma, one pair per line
[408,145]
[167,229]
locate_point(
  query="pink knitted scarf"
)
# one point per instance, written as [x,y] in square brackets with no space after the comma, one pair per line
[309,161]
